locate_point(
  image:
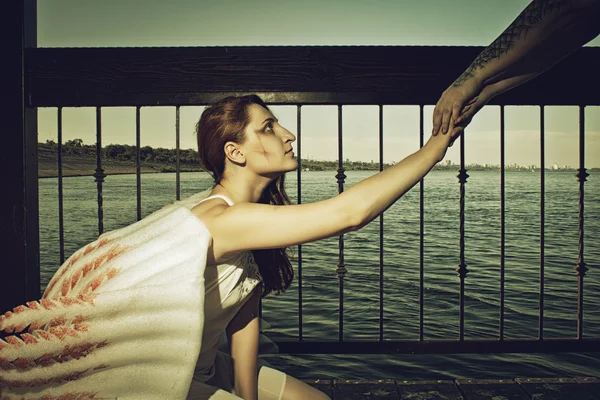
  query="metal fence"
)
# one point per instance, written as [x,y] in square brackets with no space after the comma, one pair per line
[501,344]
[368,75]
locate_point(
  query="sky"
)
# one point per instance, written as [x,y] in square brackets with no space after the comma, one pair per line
[124,23]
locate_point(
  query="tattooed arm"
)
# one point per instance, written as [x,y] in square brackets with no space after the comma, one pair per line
[544,33]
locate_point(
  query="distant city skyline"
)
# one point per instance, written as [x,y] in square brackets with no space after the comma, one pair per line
[72,23]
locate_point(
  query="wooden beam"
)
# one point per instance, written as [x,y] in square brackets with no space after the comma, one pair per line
[285,74]
[20,276]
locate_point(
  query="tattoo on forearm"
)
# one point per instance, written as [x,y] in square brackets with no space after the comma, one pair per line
[531,16]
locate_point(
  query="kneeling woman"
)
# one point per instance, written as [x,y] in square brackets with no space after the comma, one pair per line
[252,222]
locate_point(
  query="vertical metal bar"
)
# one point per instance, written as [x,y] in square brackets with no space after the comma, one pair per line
[581,267]
[99,175]
[138,169]
[61,213]
[30,119]
[299,186]
[19,214]
[381,229]
[502,222]
[177,155]
[542,222]
[462,267]
[421,229]
[341,267]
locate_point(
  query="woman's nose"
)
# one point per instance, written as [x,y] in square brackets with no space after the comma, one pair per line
[291,136]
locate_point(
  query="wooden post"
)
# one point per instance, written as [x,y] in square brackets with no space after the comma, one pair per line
[19,227]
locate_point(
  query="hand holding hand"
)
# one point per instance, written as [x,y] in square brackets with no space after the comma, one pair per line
[450,105]
[469,111]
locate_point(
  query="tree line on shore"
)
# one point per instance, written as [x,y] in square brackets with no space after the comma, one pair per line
[122,152]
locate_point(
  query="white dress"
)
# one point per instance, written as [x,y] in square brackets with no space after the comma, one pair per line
[124,317]
[227,287]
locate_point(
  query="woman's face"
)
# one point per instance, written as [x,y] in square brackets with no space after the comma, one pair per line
[268,145]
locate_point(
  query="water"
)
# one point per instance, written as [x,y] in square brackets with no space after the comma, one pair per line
[401,269]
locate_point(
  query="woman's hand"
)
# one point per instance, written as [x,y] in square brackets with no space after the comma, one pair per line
[463,92]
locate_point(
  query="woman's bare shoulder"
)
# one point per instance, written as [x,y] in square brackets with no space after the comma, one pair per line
[209,209]
[208,212]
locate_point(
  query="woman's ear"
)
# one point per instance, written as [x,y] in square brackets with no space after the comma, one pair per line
[234,153]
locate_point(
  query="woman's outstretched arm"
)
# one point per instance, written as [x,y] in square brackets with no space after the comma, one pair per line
[250,226]
[543,34]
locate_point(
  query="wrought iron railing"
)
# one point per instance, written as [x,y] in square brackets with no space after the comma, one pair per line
[420,345]
[300,76]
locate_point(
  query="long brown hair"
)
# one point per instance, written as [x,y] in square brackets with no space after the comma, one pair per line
[225,121]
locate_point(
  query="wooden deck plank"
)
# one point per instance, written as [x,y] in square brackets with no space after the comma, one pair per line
[485,389]
[590,385]
[586,388]
[429,390]
[553,388]
[365,389]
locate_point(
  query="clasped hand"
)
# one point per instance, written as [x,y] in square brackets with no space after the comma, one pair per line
[457,106]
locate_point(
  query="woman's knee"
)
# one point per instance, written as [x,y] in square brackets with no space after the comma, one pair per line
[271,383]
[295,389]
[276,385]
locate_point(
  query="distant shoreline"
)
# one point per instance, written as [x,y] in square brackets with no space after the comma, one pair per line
[79,159]
[82,166]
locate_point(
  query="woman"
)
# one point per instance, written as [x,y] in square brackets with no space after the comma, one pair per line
[248,152]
